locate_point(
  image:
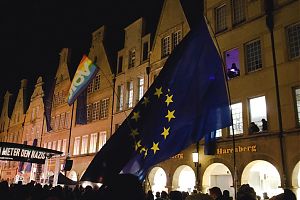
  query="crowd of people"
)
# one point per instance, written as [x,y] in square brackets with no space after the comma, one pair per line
[122,187]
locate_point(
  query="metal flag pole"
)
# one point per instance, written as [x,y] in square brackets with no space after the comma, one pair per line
[112,105]
[270,24]
[234,177]
[69,142]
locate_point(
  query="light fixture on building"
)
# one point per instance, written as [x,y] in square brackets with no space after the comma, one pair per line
[195,158]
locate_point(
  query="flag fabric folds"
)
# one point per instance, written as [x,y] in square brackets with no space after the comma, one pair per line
[85,73]
[81,117]
[48,98]
[187,100]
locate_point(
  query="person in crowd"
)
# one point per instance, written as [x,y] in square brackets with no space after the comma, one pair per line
[199,196]
[215,193]
[226,195]
[265,196]
[286,195]
[253,128]
[245,192]
[264,124]
[164,195]
[150,195]
[176,195]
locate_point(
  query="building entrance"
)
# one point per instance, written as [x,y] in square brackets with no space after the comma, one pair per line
[184,179]
[217,175]
[263,177]
[158,180]
[296,180]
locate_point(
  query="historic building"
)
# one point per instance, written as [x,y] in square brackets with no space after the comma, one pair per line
[252,50]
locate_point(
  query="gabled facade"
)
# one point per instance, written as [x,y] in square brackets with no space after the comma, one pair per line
[4,120]
[87,139]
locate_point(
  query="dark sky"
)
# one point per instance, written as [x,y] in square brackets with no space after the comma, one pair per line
[33,32]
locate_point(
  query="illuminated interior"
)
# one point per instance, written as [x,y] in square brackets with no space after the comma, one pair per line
[296,180]
[263,177]
[186,179]
[217,174]
[158,179]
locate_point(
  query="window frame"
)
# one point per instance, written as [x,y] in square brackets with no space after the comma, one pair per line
[246,45]
[288,40]
[219,29]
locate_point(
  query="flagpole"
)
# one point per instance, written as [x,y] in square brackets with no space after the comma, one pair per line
[234,177]
[39,166]
[70,132]
[270,24]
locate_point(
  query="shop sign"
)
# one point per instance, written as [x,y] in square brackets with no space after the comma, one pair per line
[238,149]
[178,156]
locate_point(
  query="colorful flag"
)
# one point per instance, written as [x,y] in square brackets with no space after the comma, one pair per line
[85,73]
[186,101]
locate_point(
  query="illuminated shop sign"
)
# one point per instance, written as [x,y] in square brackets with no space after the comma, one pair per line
[25,153]
[238,149]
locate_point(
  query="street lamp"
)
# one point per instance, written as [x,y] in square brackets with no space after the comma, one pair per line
[195,158]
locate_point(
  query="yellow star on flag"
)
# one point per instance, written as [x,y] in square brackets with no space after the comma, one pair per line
[145,101]
[155,147]
[136,116]
[170,115]
[134,132]
[145,153]
[158,92]
[166,132]
[169,99]
[137,145]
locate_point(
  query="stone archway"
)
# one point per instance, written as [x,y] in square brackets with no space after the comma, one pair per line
[217,175]
[296,180]
[263,177]
[158,179]
[184,179]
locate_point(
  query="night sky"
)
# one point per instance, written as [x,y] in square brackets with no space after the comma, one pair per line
[32,33]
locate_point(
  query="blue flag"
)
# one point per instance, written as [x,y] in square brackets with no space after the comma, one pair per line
[186,101]
[48,98]
[81,117]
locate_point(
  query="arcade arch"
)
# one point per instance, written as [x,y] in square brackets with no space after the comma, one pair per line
[296,179]
[184,179]
[158,179]
[263,177]
[217,175]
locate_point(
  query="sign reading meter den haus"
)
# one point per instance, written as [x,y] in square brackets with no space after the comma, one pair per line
[25,153]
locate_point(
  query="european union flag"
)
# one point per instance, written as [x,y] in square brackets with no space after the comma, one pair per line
[186,101]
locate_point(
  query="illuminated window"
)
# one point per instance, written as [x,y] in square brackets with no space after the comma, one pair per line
[237,117]
[90,88]
[57,119]
[76,146]
[93,143]
[297,100]
[102,139]
[54,145]
[258,110]
[120,64]
[63,149]
[165,46]
[120,97]
[129,94]
[45,145]
[219,133]
[58,145]
[232,63]
[88,112]
[140,87]
[84,144]
[176,38]
[220,14]
[62,120]
[67,120]
[49,145]
[96,111]
[131,61]
[104,108]
[253,56]
[293,37]
[238,9]
[96,82]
